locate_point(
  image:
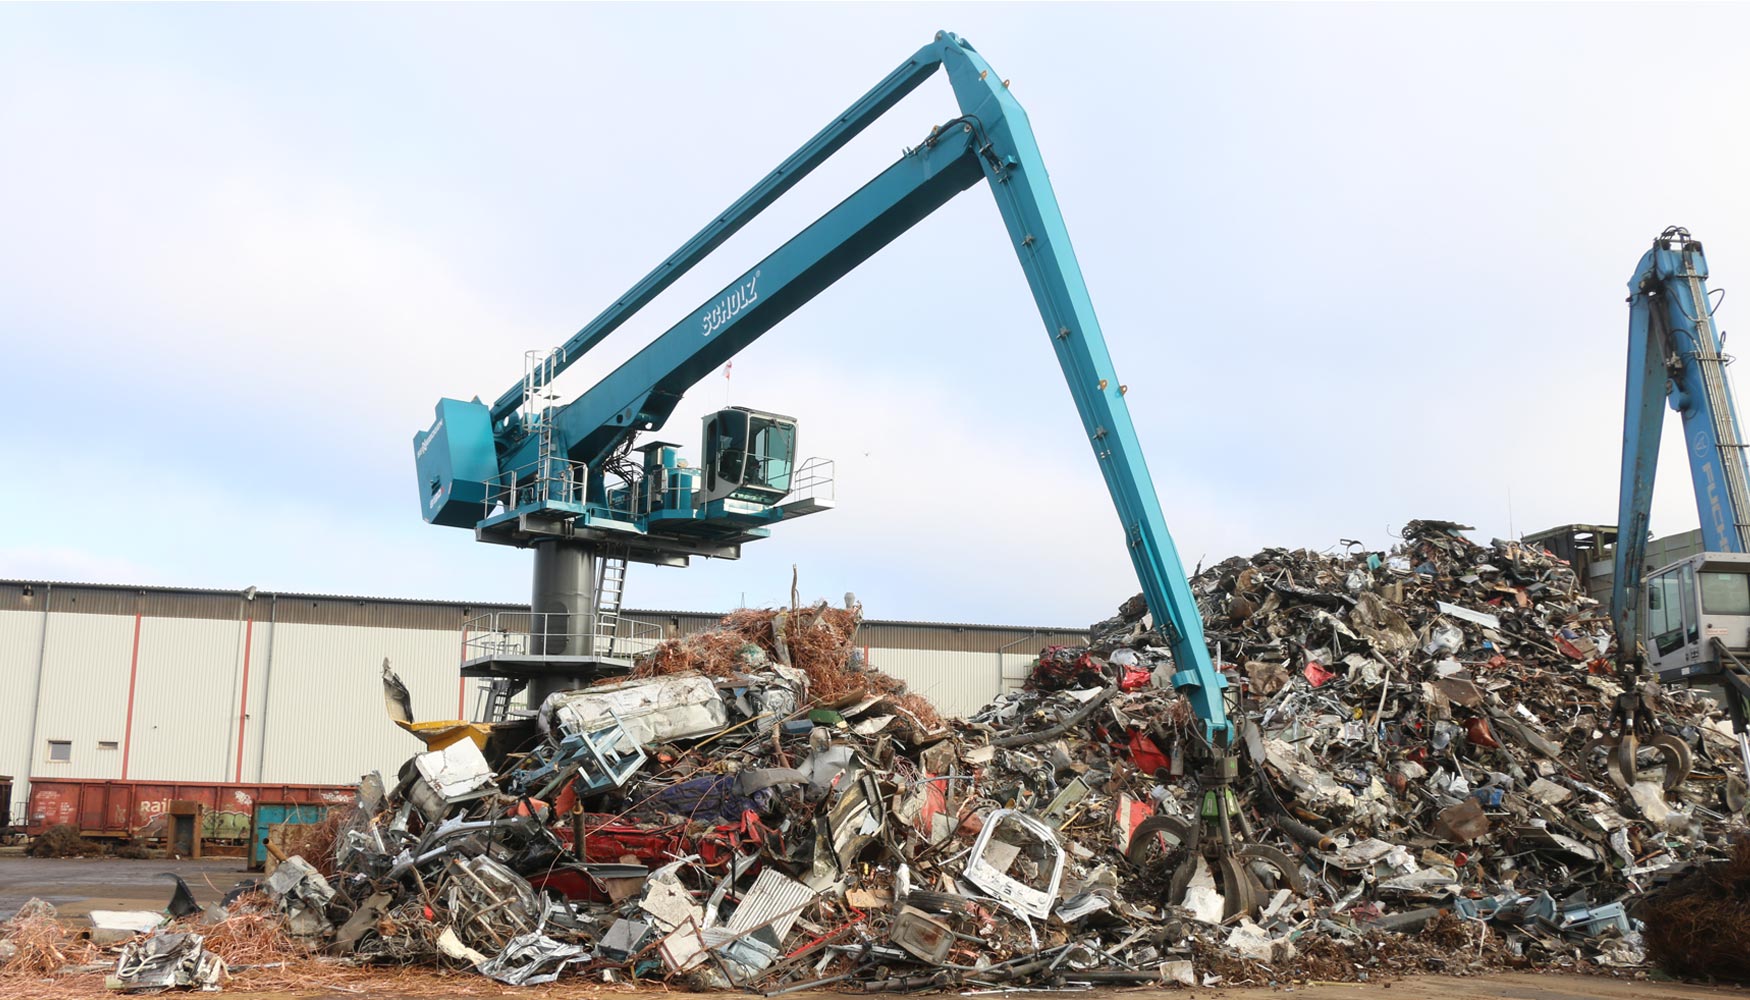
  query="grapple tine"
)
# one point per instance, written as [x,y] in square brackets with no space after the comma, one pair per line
[1677,759]
[1240,888]
[1622,762]
[1282,863]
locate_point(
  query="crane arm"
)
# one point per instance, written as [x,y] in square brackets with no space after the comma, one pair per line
[883,96]
[1674,356]
[1018,179]
[642,392]
[991,138]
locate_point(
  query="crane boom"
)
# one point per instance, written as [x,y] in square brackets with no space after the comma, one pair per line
[1674,357]
[1689,620]
[559,478]
[531,476]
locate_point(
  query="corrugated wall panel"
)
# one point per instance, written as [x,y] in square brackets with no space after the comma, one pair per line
[324,720]
[391,612]
[956,683]
[313,711]
[963,638]
[1016,668]
[20,641]
[185,708]
[250,704]
[84,694]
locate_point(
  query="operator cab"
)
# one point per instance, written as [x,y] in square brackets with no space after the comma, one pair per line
[1688,604]
[749,456]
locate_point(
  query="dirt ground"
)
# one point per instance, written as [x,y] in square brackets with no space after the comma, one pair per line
[79,885]
[1518,986]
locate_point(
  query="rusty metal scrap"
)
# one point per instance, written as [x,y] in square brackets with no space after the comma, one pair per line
[1417,763]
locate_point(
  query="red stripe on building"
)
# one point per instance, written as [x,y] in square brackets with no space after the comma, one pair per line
[243,703]
[133,673]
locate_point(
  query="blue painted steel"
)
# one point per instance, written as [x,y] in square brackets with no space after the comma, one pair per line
[268,814]
[643,392]
[990,139]
[1012,162]
[455,458]
[813,153]
[1674,357]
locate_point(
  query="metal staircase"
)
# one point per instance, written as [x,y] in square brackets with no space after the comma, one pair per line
[610,591]
[496,698]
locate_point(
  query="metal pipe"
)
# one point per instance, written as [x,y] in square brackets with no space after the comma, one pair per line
[236,671]
[1074,719]
[36,698]
[1005,648]
[273,608]
[1409,920]
[799,987]
[1307,835]
[1115,976]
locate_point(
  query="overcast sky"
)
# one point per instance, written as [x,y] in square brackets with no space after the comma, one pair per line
[1357,264]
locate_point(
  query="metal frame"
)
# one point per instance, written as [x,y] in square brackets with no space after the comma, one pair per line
[1675,357]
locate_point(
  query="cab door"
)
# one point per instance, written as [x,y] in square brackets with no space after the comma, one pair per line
[1672,622]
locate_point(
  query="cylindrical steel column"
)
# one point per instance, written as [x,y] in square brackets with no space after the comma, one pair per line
[564,610]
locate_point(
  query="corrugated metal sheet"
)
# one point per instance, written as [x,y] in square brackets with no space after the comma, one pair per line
[1015,668]
[774,901]
[123,808]
[20,640]
[186,697]
[957,683]
[963,638]
[173,602]
[81,701]
[390,612]
[313,711]
[324,720]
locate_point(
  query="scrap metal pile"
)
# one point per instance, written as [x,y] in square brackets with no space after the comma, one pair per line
[756,809]
[1424,728]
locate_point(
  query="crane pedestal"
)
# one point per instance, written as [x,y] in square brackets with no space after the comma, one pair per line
[572,632]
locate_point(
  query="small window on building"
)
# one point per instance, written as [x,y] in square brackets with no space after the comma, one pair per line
[108,745]
[60,751]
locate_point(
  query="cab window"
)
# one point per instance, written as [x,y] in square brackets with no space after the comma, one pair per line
[1725,593]
[773,452]
[1671,617]
[726,449]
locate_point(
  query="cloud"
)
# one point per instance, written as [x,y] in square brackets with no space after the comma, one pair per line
[73,564]
[237,285]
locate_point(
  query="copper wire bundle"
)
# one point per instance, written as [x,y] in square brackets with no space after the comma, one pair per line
[253,933]
[818,640]
[315,841]
[43,944]
[1699,925]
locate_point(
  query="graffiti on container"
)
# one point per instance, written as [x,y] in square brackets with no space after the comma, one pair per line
[228,824]
[142,808]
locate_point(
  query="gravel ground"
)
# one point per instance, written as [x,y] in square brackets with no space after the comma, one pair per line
[79,885]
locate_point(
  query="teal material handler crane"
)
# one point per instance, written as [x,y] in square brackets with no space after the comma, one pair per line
[561,479]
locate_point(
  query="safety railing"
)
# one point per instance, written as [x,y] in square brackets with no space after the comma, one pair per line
[555,480]
[533,633]
[564,481]
[813,480]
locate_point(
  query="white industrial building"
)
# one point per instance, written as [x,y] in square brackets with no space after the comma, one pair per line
[169,684]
